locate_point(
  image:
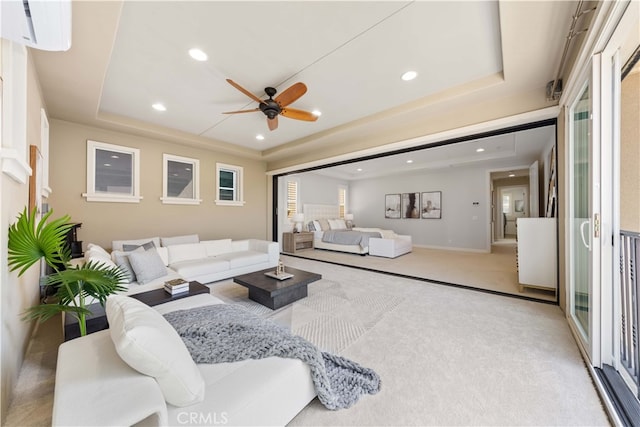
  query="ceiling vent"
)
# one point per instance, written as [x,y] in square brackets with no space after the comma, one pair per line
[38,24]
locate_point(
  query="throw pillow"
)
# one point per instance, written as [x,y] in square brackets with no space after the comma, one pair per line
[145,246]
[311,227]
[122,260]
[150,345]
[147,265]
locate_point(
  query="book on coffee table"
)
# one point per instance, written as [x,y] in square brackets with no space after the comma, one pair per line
[281,276]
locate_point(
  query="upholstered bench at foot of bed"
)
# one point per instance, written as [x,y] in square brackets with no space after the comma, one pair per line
[390,248]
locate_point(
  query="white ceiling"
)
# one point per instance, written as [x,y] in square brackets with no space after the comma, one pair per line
[509,152]
[126,56]
[351,56]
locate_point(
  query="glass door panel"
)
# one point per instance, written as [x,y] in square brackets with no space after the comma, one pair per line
[580,224]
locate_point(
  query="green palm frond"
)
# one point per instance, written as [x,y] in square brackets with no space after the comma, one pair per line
[43,312]
[29,241]
[89,280]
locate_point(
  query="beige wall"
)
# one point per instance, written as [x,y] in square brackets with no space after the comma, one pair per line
[103,222]
[630,153]
[17,294]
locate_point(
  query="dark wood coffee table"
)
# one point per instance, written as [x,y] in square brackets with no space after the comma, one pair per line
[160,296]
[274,293]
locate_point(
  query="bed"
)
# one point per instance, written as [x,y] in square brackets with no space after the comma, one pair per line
[341,239]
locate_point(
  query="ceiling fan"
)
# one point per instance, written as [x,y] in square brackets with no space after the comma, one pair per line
[279,106]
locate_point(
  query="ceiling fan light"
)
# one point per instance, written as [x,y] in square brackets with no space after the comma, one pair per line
[198,55]
[259,137]
[159,107]
[479,150]
[409,75]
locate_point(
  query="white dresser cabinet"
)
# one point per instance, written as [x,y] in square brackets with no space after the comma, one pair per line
[537,254]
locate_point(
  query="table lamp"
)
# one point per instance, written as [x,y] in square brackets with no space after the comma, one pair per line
[298,219]
[349,219]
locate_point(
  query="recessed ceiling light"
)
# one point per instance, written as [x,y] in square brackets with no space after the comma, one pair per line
[107,164]
[316,113]
[175,174]
[359,169]
[159,107]
[511,175]
[259,137]
[409,161]
[409,75]
[198,55]
[113,156]
[479,150]
[187,169]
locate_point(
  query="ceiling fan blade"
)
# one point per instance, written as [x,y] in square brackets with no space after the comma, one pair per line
[242,111]
[243,90]
[291,94]
[292,113]
[273,123]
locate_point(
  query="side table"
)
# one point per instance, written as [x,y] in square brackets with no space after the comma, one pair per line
[293,242]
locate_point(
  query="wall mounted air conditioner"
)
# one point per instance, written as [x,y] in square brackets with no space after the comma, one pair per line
[40,24]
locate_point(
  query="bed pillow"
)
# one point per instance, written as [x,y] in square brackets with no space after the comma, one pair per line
[147,265]
[337,224]
[149,344]
[324,224]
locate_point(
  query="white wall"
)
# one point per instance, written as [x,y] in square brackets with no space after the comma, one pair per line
[320,190]
[463,224]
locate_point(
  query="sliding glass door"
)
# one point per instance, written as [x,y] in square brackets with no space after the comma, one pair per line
[584,216]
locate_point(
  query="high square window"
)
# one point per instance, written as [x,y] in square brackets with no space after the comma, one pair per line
[181,183]
[113,173]
[229,185]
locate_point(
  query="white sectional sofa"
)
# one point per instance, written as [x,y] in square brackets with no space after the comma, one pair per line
[187,257]
[96,386]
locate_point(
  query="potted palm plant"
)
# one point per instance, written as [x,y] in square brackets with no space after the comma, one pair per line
[31,240]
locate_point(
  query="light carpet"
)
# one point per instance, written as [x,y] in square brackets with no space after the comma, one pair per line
[446,356]
[496,271]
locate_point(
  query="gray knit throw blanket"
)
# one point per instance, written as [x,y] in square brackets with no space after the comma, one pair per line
[224,333]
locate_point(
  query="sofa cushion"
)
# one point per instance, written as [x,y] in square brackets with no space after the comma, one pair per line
[180,240]
[117,245]
[186,252]
[97,248]
[217,247]
[193,268]
[150,345]
[147,265]
[244,258]
[98,257]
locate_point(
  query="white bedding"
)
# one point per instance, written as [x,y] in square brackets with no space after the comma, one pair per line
[319,244]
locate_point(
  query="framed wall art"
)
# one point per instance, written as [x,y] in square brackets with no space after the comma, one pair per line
[410,205]
[392,206]
[431,205]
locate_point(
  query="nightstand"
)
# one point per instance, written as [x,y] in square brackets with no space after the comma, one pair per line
[293,242]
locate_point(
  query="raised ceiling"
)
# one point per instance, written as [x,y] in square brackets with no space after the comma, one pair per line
[126,56]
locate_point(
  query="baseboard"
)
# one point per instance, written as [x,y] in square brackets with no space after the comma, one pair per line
[449,248]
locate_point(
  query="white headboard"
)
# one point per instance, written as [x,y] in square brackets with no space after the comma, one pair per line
[312,212]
